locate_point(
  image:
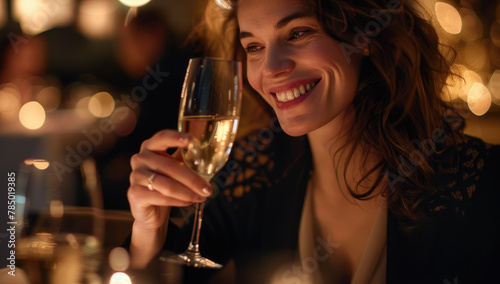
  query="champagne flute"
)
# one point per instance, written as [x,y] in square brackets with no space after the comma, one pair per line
[209,112]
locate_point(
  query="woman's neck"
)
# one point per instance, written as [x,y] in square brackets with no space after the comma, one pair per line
[330,146]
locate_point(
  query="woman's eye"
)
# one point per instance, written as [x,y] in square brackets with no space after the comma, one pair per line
[297,34]
[252,48]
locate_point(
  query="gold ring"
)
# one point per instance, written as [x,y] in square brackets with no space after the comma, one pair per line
[150,181]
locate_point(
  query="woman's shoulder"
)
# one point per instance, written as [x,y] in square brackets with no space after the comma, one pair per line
[469,173]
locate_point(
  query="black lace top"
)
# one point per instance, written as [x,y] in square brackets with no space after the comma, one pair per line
[254,217]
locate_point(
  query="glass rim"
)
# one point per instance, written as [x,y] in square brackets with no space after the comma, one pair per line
[214,59]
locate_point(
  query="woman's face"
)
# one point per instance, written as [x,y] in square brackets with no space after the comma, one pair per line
[294,65]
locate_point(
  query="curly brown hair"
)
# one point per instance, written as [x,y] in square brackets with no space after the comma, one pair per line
[400,112]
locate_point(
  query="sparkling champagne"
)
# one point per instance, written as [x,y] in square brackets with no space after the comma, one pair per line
[212,139]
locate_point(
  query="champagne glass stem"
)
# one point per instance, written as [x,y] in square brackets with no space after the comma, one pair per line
[194,244]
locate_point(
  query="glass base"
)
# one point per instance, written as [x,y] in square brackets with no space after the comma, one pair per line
[192,260]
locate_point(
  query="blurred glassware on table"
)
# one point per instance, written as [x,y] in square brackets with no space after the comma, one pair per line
[60,229]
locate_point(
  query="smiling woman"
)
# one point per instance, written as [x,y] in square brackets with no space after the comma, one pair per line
[368,179]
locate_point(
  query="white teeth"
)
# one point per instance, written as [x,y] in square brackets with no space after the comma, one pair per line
[281,96]
[302,89]
[294,93]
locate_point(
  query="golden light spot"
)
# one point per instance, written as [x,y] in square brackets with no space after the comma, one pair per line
[96,18]
[82,107]
[49,98]
[134,3]
[32,115]
[448,17]
[224,4]
[476,54]
[124,120]
[36,16]
[495,33]
[10,99]
[56,208]
[494,87]
[472,27]
[101,104]
[41,164]
[119,259]
[470,78]
[479,99]
[120,278]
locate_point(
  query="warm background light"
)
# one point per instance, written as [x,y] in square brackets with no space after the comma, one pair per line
[479,99]
[10,101]
[36,16]
[448,17]
[3,13]
[472,27]
[119,259]
[470,78]
[41,164]
[97,18]
[32,115]
[120,278]
[101,104]
[494,86]
[49,98]
[134,3]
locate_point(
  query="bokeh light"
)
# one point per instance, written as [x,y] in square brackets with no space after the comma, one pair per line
[40,164]
[475,53]
[49,98]
[119,259]
[32,115]
[470,78]
[120,278]
[134,3]
[448,17]
[36,16]
[96,18]
[224,4]
[495,33]
[479,99]
[101,104]
[10,100]
[3,13]
[472,27]
[124,121]
[56,208]
[494,87]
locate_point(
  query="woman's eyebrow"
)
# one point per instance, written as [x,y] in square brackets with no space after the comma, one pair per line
[281,23]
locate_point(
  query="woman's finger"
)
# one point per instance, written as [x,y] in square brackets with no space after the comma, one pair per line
[170,167]
[142,197]
[165,139]
[165,185]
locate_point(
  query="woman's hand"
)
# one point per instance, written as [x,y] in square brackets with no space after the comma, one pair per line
[157,182]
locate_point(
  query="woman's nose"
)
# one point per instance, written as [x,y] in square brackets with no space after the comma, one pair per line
[278,62]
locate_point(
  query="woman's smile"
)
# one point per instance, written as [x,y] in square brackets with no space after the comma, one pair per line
[291,94]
